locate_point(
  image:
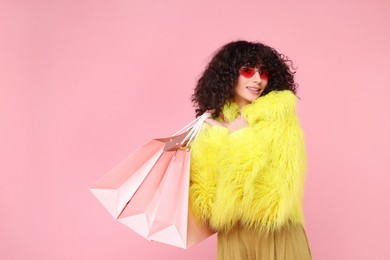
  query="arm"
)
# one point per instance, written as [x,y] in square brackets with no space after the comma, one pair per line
[245,154]
[261,175]
[204,152]
[272,194]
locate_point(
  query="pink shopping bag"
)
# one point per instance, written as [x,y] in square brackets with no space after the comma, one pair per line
[117,187]
[138,213]
[148,191]
[172,219]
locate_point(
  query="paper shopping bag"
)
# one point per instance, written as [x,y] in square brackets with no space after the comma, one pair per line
[117,187]
[148,191]
[138,213]
[172,220]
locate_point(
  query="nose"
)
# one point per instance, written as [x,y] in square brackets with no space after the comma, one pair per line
[256,77]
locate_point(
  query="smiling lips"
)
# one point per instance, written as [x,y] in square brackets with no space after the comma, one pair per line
[254,90]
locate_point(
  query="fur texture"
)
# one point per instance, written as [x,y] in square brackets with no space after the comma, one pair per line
[255,175]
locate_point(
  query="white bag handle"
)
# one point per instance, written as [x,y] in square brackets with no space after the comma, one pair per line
[195,129]
[186,135]
[187,127]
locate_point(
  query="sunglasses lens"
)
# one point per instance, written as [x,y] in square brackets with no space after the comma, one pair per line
[247,72]
[264,75]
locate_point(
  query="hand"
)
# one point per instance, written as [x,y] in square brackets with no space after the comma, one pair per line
[212,121]
[236,124]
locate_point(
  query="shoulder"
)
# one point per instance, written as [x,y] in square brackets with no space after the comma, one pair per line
[273,106]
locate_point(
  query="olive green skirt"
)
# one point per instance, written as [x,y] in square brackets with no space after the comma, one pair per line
[288,243]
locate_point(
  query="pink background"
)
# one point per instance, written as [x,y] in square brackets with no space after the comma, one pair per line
[84,83]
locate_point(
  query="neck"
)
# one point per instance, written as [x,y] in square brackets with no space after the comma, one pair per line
[240,101]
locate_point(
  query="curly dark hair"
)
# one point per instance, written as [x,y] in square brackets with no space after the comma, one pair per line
[216,85]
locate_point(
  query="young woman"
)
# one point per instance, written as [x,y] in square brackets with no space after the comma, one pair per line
[248,163]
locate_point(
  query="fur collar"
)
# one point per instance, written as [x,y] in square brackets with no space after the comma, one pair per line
[274,105]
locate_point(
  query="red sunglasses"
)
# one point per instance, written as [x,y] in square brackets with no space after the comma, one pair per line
[248,72]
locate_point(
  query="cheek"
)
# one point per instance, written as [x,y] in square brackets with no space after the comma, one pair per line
[241,82]
[265,83]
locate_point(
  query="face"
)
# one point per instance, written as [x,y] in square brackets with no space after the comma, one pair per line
[251,83]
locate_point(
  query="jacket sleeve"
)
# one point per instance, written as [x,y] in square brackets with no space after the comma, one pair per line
[204,152]
[244,155]
[260,175]
[272,194]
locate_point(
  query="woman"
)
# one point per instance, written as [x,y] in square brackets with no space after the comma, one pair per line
[248,163]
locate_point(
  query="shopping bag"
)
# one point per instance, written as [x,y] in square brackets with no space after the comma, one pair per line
[172,220]
[139,211]
[117,187]
[148,191]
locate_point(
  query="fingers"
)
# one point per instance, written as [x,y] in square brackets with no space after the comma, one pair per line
[242,115]
[240,118]
[214,122]
[211,121]
[238,123]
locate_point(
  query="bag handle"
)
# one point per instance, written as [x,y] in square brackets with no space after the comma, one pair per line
[195,129]
[192,123]
[187,134]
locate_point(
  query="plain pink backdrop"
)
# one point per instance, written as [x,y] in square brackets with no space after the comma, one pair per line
[84,83]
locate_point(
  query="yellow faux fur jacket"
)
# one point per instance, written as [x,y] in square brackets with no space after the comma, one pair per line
[254,176]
